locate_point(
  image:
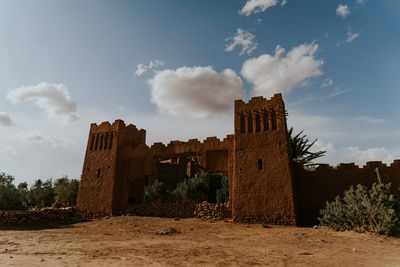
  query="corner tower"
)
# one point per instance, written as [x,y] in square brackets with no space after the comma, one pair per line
[103,190]
[263,173]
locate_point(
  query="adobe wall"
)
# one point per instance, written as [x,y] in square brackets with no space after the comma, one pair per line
[102,189]
[118,164]
[262,189]
[314,188]
[141,163]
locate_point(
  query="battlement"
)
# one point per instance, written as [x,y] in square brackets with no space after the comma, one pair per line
[116,125]
[260,115]
[352,165]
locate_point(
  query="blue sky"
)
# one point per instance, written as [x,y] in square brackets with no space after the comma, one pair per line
[65,64]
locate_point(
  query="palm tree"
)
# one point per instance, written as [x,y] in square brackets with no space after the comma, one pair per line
[300,148]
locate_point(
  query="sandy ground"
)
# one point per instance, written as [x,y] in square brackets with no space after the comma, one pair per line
[132,241]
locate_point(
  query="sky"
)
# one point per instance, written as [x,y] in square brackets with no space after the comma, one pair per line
[175,67]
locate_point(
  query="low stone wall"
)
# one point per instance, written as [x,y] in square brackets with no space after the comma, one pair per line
[39,217]
[213,211]
[277,220]
[182,210]
[167,210]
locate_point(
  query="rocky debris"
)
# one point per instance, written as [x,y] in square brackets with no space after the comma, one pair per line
[167,231]
[219,211]
[38,217]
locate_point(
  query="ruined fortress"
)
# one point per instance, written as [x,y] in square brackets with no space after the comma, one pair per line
[264,183]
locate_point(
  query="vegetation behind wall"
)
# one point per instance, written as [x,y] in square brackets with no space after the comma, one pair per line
[60,193]
[210,187]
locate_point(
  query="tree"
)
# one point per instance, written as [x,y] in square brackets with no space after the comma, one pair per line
[41,194]
[66,192]
[300,148]
[10,197]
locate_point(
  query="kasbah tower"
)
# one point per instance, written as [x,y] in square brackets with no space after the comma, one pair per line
[118,164]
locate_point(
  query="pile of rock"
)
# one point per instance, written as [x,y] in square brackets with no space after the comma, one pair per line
[163,209]
[207,210]
[39,217]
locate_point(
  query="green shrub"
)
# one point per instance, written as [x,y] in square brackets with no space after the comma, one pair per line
[210,187]
[155,192]
[11,198]
[223,191]
[362,209]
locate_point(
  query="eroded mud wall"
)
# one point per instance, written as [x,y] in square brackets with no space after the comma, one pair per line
[262,181]
[314,188]
[99,169]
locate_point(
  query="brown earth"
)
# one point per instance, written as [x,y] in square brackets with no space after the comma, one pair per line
[141,241]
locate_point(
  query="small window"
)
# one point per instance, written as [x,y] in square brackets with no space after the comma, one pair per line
[242,124]
[260,164]
[250,123]
[98,173]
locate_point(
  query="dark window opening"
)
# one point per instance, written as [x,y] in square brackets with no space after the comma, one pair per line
[242,124]
[146,180]
[258,123]
[91,142]
[250,123]
[273,119]
[106,141]
[98,173]
[97,142]
[131,200]
[260,164]
[111,140]
[266,122]
[101,142]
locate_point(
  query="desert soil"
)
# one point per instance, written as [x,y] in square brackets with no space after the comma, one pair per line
[132,241]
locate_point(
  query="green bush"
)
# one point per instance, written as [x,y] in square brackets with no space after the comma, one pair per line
[223,191]
[11,198]
[155,192]
[362,209]
[210,187]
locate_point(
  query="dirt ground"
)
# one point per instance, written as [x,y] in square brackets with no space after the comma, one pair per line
[132,241]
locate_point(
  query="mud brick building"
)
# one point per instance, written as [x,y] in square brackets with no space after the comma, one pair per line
[265,186]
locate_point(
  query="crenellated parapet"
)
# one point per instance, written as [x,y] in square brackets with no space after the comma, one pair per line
[259,115]
[192,145]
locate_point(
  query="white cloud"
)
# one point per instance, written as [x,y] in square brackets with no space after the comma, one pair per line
[141,68]
[351,36]
[5,119]
[256,6]
[38,137]
[244,39]
[327,82]
[283,2]
[52,98]
[361,2]
[281,72]
[196,92]
[347,154]
[343,11]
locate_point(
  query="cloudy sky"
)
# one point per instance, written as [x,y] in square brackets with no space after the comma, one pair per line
[175,67]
